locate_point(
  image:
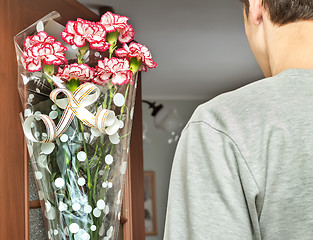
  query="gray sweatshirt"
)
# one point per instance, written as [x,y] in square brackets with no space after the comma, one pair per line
[243,168]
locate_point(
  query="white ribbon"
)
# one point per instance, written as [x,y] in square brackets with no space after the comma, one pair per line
[86,94]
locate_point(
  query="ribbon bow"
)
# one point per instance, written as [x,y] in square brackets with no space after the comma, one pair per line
[86,94]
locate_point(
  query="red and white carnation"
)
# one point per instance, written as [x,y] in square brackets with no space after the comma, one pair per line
[116,69]
[141,52]
[76,71]
[114,22]
[42,48]
[41,37]
[81,31]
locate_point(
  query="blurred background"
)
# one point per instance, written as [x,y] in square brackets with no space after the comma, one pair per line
[202,51]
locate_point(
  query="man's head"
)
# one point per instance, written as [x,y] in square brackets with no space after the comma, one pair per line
[264,18]
[282,12]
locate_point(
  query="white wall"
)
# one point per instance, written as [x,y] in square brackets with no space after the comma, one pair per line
[158,154]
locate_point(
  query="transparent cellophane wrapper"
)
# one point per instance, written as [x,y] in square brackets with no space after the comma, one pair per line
[74,209]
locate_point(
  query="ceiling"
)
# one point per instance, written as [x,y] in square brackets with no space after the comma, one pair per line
[200,46]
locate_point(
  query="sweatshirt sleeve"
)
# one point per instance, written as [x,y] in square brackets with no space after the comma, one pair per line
[209,197]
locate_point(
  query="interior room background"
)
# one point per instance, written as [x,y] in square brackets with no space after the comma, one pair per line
[201,51]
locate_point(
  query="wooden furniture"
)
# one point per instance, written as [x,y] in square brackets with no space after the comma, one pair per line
[15,15]
[134,193]
[149,193]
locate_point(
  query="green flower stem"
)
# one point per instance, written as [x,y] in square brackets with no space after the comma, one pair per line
[113,146]
[123,107]
[94,234]
[110,101]
[48,71]
[82,52]
[102,192]
[79,59]
[124,136]
[95,180]
[111,51]
[94,155]
[49,79]
[67,162]
[104,104]
[96,176]
[97,169]
[112,93]
[89,184]
[107,168]
[112,149]
[93,191]
[112,40]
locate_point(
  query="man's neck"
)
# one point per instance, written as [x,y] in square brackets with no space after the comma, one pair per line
[290,46]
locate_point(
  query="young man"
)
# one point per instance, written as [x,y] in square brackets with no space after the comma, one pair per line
[243,168]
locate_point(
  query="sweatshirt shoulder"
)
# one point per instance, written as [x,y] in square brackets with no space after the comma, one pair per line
[239,105]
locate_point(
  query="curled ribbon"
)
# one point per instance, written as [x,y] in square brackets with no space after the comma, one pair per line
[86,94]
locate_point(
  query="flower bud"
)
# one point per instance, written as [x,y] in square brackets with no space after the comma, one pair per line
[49,69]
[73,84]
[112,37]
[135,64]
[83,50]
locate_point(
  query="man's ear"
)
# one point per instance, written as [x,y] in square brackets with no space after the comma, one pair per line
[255,10]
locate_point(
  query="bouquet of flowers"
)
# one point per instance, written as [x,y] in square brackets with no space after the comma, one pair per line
[77,88]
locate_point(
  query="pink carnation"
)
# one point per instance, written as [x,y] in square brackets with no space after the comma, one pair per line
[141,52]
[42,48]
[118,69]
[114,22]
[81,31]
[76,71]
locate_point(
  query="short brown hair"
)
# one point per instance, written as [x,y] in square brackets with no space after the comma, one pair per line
[286,11]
